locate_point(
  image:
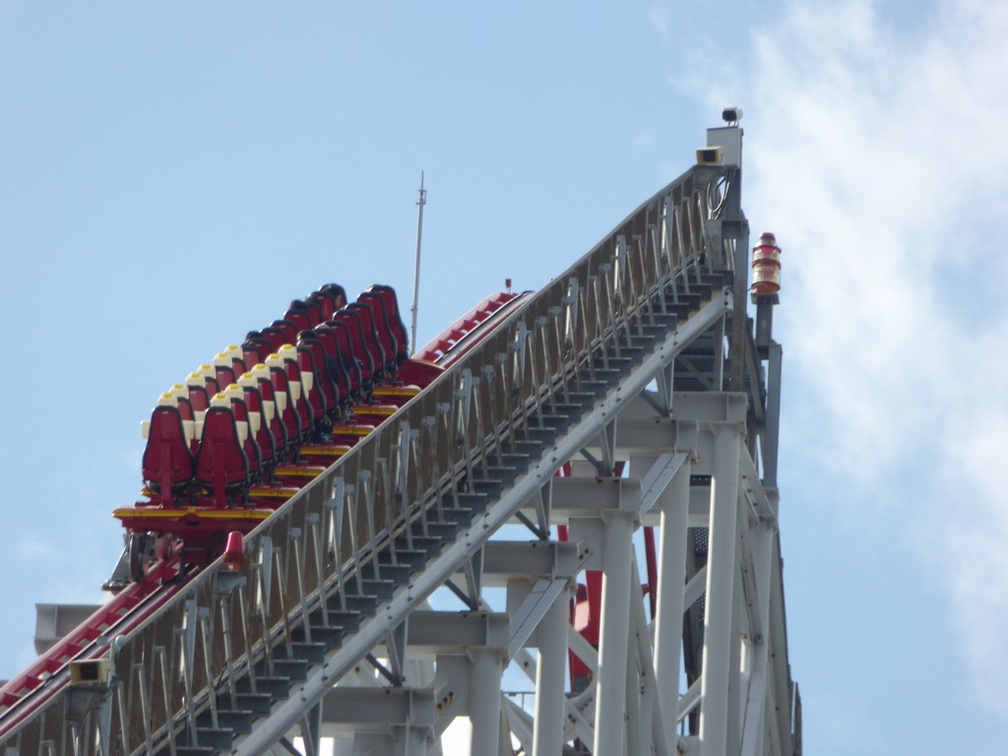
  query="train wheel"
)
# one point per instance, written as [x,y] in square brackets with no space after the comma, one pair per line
[138,556]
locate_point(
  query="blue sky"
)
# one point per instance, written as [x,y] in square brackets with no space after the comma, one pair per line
[172,176]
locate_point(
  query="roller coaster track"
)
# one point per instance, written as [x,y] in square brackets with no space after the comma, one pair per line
[637,374]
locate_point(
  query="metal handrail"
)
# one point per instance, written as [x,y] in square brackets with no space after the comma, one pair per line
[324,541]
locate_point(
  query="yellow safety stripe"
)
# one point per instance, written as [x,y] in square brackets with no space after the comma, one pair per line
[213,514]
[351,430]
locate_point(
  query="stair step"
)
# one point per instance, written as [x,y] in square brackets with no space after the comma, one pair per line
[219,739]
[544,437]
[310,652]
[443,531]
[295,670]
[490,487]
[460,515]
[570,410]
[275,686]
[347,621]
[234,720]
[657,330]
[379,588]
[552,420]
[474,502]
[621,365]
[430,545]
[363,605]
[414,558]
[505,475]
[627,354]
[331,637]
[596,387]
[677,309]
[609,376]
[257,704]
[584,399]
[531,449]
[517,461]
[397,574]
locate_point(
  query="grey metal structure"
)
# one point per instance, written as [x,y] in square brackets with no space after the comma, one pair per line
[640,352]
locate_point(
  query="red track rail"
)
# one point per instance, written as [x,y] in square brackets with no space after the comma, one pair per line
[466,332]
[26,692]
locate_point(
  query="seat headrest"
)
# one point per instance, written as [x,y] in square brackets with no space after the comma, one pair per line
[167,399]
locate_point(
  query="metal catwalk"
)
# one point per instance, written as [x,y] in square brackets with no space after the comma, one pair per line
[632,392]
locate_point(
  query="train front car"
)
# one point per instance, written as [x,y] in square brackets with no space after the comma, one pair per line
[246,432]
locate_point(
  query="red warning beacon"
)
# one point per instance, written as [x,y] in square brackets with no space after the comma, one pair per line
[766,266]
[234,552]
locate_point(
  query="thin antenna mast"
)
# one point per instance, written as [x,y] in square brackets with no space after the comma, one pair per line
[416,274]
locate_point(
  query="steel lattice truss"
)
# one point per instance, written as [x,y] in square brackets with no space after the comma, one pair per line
[637,377]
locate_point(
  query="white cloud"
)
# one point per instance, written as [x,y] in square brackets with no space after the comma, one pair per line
[659,18]
[32,550]
[879,160]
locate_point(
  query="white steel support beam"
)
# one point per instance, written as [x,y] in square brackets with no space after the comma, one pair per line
[550,679]
[754,713]
[485,700]
[671,596]
[610,702]
[721,565]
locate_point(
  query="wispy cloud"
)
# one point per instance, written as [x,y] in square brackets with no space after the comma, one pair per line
[32,550]
[879,159]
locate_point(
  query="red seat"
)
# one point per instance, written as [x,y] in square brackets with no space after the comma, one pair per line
[316,309]
[300,394]
[238,364]
[319,399]
[391,303]
[181,394]
[283,443]
[224,371]
[313,358]
[350,321]
[221,463]
[210,379]
[340,333]
[335,292]
[326,304]
[372,341]
[167,463]
[259,421]
[383,329]
[288,329]
[300,319]
[276,337]
[250,445]
[255,349]
[285,406]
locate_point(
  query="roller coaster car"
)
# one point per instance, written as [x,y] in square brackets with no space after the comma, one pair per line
[245,433]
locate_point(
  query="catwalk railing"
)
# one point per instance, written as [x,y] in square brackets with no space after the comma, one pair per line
[324,542]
